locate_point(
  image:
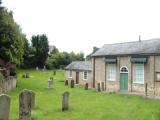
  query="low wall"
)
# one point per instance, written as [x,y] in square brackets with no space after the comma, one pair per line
[8,84]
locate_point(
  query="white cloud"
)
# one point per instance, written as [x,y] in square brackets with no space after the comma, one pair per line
[78,25]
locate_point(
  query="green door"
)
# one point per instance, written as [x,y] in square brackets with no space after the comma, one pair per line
[124,82]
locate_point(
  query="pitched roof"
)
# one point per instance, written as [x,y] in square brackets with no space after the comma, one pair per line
[79,65]
[130,48]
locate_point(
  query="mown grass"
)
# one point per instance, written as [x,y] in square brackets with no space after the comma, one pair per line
[84,105]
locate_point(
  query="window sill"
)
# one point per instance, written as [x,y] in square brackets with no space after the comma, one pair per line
[85,79]
[111,80]
[138,83]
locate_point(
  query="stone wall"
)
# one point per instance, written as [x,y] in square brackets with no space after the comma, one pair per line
[99,70]
[81,81]
[150,69]
[8,84]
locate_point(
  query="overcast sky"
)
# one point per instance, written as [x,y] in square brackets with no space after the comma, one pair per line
[78,25]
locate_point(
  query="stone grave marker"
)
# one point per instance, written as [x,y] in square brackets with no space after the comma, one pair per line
[102,84]
[32,99]
[86,86]
[72,83]
[37,68]
[25,101]
[5,102]
[66,82]
[99,87]
[65,101]
[50,82]
[54,72]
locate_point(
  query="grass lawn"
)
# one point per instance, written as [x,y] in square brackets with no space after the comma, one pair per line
[84,105]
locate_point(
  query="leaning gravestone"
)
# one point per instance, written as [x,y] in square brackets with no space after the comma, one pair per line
[25,104]
[102,84]
[86,86]
[66,82]
[72,83]
[65,101]
[5,101]
[98,87]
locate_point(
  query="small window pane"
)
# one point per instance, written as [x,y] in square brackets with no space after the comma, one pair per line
[158,76]
[111,72]
[139,73]
[70,74]
[85,75]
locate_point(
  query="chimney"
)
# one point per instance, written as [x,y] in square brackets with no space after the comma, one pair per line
[140,38]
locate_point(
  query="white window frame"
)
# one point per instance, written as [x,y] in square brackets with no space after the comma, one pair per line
[107,72]
[70,73]
[124,67]
[134,78]
[86,75]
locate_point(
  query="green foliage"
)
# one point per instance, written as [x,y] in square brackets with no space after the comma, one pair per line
[40,43]
[11,38]
[1,77]
[60,59]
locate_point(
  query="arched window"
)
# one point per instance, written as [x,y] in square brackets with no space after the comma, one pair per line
[124,70]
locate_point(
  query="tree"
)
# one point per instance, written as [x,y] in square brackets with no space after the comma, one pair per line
[11,38]
[40,43]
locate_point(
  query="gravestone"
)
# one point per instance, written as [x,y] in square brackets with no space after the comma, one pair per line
[65,101]
[27,75]
[66,82]
[54,72]
[25,101]
[32,99]
[86,86]
[5,102]
[37,68]
[99,87]
[72,83]
[102,84]
[50,82]
[44,68]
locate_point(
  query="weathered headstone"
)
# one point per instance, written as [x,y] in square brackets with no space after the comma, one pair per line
[44,68]
[65,101]
[72,83]
[86,86]
[99,87]
[37,68]
[146,85]
[25,101]
[5,102]
[54,72]
[32,99]
[50,83]
[27,75]
[66,82]
[102,84]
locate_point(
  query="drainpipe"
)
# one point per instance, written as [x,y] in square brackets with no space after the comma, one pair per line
[154,75]
[105,77]
[93,72]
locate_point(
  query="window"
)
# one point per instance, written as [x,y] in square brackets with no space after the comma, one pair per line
[70,74]
[111,72]
[124,70]
[85,75]
[139,73]
[158,76]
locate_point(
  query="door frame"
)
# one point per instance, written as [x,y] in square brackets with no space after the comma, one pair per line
[77,76]
[123,72]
